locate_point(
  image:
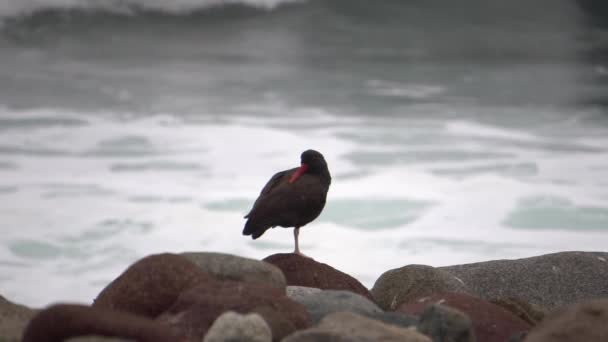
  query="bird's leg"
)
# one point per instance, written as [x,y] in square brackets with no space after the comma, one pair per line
[296,232]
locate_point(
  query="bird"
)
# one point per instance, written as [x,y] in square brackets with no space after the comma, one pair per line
[291,198]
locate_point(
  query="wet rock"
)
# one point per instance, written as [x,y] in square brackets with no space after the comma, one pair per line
[13,319]
[151,285]
[404,284]
[302,271]
[322,303]
[549,281]
[586,321]
[233,327]
[232,267]
[60,322]
[443,323]
[359,328]
[197,308]
[490,322]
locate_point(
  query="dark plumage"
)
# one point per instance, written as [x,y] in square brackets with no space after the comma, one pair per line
[292,198]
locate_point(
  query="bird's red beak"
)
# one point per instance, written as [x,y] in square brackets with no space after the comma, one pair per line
[299,172]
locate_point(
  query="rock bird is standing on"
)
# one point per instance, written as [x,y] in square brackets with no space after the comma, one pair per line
[292,198]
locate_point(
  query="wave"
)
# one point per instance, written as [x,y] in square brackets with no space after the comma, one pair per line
[21,8]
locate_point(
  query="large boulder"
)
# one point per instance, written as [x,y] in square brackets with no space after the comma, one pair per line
[62,321]
[232,267]
[491,322]
[549,281]
[302,271]
[13,319]
[231,326]
[151,285]
[586,321]
[404,284]
[350,327]
[197,308]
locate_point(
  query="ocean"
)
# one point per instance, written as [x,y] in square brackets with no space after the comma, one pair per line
[455,132]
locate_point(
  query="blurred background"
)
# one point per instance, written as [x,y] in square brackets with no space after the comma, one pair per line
[455,131]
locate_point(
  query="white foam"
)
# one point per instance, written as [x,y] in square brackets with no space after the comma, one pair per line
[10,8]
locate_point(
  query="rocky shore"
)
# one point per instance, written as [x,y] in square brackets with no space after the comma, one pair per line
[215,297]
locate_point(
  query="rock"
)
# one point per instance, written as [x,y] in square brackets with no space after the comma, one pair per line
[197,308]
[325,302]
[297,292]
[443,323]
[59,322]
[233,327]
[403,284]
[530,313]
[280,326]
[302,271]
[395,318]
[490,322]
[586,321]
[232,267]
[549,281]
[350,327]
[151,285]
[13,319]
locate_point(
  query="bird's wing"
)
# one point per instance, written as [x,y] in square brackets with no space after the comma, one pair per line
[272,183]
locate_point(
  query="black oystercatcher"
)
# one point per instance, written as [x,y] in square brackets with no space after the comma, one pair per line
[292,198]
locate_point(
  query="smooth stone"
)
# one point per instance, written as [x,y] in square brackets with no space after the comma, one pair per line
[443,323]
[63,321]
[13,320]
[151,285]
[491,322]
[232,267]
[549,281]
[302,271]
[530,313]
[586,321]
[234,327]
[197,308]
[320,304]
[404,284]
[298,292]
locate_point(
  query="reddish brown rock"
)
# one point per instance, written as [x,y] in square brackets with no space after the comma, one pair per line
[586,321]
[302,271]
[151,285]
[491,323]
[197,308]
[60,322]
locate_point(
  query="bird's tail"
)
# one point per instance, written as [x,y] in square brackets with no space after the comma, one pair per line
[254,230]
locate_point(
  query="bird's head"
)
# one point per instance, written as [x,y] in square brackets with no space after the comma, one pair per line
[311,162]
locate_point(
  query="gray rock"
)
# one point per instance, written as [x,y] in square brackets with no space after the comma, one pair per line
[318,335]
[443,323]
[298,292]
[395,318]
[232,267]
[13,319]
[357,326]
[584,321]
[549,281]
[403,284]
[320,304]
[234,327]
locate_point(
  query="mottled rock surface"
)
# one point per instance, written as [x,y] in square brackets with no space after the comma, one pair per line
[151,285]
[586,321]
[549,281]
[351,327]
[302,271]
[443,323]
[232,267]
[322,303]
[233,327]
[13,319]
[404,284]
[491,322]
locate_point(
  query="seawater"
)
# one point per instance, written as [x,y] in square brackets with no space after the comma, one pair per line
[145,127]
